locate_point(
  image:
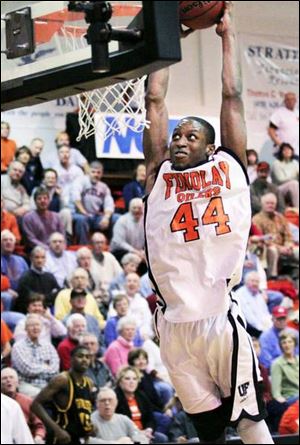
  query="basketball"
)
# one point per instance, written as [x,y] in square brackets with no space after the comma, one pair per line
[200,15]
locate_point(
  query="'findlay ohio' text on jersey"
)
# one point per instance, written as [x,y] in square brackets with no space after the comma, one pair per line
[197,224]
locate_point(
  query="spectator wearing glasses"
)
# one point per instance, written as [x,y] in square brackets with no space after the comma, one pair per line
[110,427]
[35,361]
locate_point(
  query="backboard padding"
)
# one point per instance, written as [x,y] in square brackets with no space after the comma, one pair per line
[160,47]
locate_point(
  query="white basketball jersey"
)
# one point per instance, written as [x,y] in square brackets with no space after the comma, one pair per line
[197,224]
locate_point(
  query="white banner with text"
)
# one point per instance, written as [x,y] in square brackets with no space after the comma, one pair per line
[270,68]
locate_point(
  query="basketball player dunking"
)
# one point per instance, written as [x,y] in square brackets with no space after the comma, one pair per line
[70,397]
[197,220]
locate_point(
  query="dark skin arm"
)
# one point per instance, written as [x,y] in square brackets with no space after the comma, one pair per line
[57,386]
[155,137]
[233,127]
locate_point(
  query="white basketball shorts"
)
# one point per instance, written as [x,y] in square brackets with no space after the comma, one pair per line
[211,359]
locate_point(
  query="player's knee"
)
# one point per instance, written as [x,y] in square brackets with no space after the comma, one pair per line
[244,425]
[210,425]
[272,250]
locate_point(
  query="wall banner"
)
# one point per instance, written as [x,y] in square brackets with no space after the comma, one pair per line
[270,68]
[128,144]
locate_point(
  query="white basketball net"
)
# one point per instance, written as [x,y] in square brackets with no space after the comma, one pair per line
[112,109]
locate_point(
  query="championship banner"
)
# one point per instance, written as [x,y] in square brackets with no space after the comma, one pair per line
[270,68]
[128,144]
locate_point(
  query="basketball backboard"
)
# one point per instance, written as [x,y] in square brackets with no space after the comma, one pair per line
[61,62]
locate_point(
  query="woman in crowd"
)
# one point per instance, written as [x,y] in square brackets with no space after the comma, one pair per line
[158,392]
[285,174]
[285,371]
[133,403]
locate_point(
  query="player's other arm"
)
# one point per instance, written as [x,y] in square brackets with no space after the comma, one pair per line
[155,138]
[272,132]
[57,384]
[233,126]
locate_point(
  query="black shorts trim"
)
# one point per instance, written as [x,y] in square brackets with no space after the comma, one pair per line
[162,302]
[234,358]
[257,385]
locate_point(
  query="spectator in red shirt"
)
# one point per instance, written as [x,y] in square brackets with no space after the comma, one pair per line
[289,423]
[9,387]
[6,336]
[9,222]
[5,285]
[76,325]
[8,147]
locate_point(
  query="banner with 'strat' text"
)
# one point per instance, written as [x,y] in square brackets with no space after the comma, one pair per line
[270,68]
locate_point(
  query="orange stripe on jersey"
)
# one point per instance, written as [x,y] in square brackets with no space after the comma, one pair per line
[224,166]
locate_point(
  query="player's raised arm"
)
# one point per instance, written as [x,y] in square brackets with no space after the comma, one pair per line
[155,138]
[233,127]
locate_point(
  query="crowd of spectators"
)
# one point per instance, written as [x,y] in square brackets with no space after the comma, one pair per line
[73,272]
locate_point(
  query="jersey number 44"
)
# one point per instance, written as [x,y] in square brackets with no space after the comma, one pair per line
[185,221]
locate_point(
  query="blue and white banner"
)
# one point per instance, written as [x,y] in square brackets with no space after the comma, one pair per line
[47,119]
[128,144]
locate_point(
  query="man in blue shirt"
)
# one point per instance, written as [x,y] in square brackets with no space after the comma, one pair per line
[269,340]
[12,266]
[253,305]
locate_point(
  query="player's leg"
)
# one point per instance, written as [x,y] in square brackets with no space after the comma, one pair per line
[210,425]
[240,365]
[183,351]
[254,432]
